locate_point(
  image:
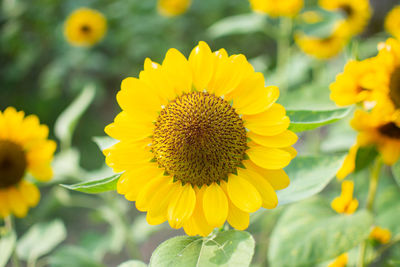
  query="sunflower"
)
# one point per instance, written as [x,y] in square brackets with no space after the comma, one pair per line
[392,22]
[373,129]
[197,146]
[284,8]
[321,48]
[358,82]
[172,8]
[85,27]
[357,14]
[23,148]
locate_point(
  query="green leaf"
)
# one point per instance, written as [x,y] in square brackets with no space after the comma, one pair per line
[311,232]
[230,248]
[133,263]
[95,186]
[239,24]
[7,243]
[305,120]
[104,142]
[387,204]
[308,176]
[396,171]
[72,256]
[67,121]
[365,157]
[40,239]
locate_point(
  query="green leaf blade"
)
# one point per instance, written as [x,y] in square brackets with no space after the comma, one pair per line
[7,243]
[229,248]
[309,175]
[305,120]
[96,186]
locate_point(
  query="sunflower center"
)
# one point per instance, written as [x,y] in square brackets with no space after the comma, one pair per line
[12,164]
[199,139]
[347,10]
[394,86]
[85,29]
[390,130]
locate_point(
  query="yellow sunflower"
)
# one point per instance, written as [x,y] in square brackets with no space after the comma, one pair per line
[357,12]
[284,8]
[381,235]
[85,27]
[172,8]
[321,48]
[392,22]
[23,148]
[202,141]
[373,130]
[358,82]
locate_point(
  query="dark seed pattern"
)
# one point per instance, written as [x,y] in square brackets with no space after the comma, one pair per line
[394,86]
[12,164]
[390,130]
[199,139]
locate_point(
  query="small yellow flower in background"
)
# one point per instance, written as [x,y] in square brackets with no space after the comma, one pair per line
[202,141]
[284,8]
[357,14]
[340,261]
[172,8]
[392,22]
[23,148]
[381,235]
[85,27]
[310,17]
[321,48]
[373,130]
[345,203]
[357,82]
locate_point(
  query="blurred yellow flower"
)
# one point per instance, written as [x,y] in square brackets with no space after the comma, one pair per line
[357,82]
[85,27]
[392,22]
[23,148]
[340,261]
[284,8]
[345,203]
[357,14]
[381,235]
[373,130]
[172,8]
[321,48]
[184,147]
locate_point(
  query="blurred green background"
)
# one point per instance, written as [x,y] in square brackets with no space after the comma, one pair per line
[42,74]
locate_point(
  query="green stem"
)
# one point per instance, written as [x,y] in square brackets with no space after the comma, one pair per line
[283,51]
[10,226]
[373,185]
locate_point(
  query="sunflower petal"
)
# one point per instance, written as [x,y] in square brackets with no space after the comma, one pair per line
[215,205]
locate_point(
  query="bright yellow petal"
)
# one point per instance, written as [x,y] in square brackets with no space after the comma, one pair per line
[284,139]
[349,163]
[177,68]
[390,153]
[271,122]
[201,61]
[237,218]
[268,158]
[267,192]
[136,98]
[127,129]
[29,192]
[243,194]
[18,206]
[42,173]
[277,178]
[215,205]
[181,206]
[146,194]
[157,80]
